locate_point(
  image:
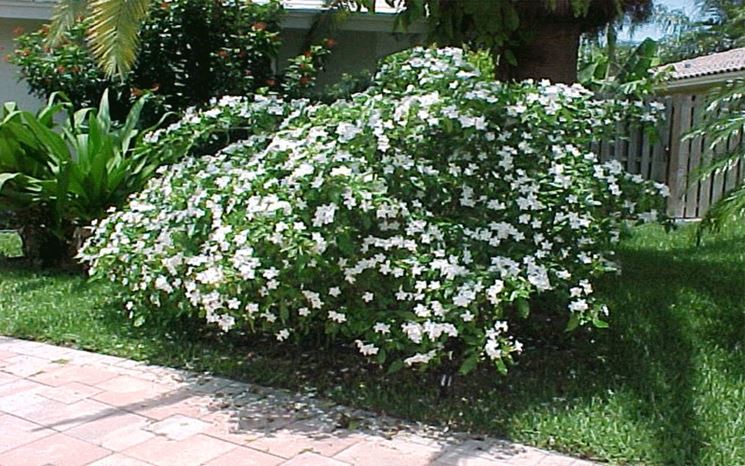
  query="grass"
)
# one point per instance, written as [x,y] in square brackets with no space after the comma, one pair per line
[10,244]
[664,385]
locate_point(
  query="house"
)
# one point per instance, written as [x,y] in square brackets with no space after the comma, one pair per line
[700,74]
[362,39]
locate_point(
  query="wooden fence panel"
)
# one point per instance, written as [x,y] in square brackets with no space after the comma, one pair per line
[670,159]
[706,185]
[694,163]
[661,149]
[731,174]
[679,150]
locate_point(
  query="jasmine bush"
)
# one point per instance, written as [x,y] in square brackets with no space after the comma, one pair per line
[414,221]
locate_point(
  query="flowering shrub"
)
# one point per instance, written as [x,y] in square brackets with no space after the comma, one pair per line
[413,221]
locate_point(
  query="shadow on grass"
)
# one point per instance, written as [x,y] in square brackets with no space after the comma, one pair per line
[671,304]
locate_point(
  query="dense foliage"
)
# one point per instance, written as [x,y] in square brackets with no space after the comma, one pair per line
[56,177]
[190,51]
[626,71]
[415,221]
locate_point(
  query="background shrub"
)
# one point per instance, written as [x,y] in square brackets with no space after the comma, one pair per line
[190,51]
[415,221]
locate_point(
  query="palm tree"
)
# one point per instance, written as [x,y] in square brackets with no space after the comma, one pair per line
[532,38]
[529,38]
[719,25]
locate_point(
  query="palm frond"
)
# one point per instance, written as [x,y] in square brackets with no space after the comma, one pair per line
[64,16]
[114,33]
[730,208]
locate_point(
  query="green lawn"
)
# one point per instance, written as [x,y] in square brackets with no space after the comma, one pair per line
[664,385]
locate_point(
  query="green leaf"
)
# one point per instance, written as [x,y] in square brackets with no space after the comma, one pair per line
[381,356]
[573,322]
[501,366]
[509,55]
[395,366]
[5,177]
[599,323]
[523,308]
[469,364]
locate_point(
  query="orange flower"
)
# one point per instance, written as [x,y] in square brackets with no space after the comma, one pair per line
[18,30]
[260,26]
[304,80]
[136,92]
[270,82]
[330,43]
[223,53]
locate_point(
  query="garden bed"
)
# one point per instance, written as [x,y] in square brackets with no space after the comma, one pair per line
[662,385]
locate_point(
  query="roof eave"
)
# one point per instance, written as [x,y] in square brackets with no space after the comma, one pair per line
[674,86]
[292,19]
[25,10]
[363,22]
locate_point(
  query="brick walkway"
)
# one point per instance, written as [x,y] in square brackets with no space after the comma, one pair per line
[60,406]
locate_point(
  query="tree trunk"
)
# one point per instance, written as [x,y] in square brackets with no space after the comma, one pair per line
[551,53]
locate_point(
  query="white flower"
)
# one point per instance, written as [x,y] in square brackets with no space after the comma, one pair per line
[382,328]
[161,283]
[366,349]
[337,317]
[270,273]
[320,243]
[234,304]
[420,358]
[413,331]
[324,215]
[347,131]
[334,291]
[211,276]
[578,305]
[467,316]
[493,291]
[341,171]
[283,334]
[226,322]
[270,317]
[367,297]
[492,349]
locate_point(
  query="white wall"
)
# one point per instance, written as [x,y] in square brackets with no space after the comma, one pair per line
[354,51]
[10,87]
